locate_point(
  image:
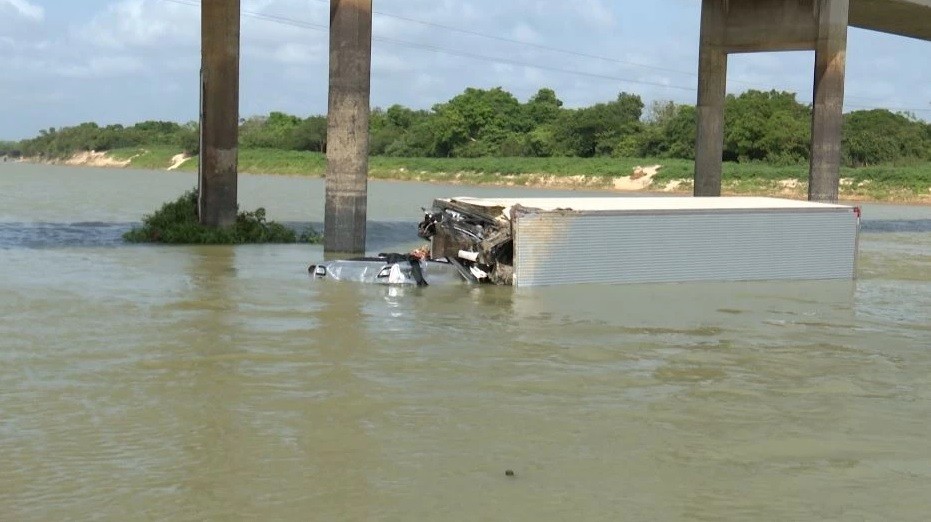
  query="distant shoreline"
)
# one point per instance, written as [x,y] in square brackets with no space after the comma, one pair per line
[641,178]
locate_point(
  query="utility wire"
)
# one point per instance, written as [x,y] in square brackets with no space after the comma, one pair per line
[571,52]
[506,61]
[444,50]
[525,44]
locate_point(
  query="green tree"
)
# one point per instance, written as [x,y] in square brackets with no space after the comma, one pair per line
[407,133]
[769,126]
[679,133]
[402,117]
[878,136]
[391,132]
[541,141]
[476,123]
[602,129]
[669,131]
[156,132]
[188,138]
[759,126]
[272,131]
[9,148]
[543,108]
[309,134]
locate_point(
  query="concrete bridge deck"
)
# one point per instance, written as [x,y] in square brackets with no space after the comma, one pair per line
[910,18]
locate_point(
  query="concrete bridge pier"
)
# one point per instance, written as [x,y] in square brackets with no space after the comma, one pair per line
[734,26]
[828,106]
[348,126]
[712,89]
[219,112]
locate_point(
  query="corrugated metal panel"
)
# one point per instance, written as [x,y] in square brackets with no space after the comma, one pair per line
[553,248]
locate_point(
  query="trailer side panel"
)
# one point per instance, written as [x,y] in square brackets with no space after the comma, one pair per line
[652,247]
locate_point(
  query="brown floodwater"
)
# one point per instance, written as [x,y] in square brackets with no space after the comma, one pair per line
[219,383]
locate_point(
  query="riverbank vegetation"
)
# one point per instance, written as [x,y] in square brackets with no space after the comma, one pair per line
[907,182]
[9,148]
[176,223]
[489,136]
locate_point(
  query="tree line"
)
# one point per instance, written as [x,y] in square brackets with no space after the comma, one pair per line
[59,143]
[765,126]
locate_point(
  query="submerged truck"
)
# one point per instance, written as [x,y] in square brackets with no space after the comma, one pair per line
[546,241]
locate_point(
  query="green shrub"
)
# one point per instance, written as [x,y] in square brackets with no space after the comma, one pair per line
[176,223]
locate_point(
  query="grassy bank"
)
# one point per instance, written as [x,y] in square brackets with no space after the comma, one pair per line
[911,182]
[274,161]
[156,158]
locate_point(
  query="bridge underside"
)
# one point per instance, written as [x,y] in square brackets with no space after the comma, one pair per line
[910,18]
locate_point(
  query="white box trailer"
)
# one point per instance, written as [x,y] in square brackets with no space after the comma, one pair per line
[546,241]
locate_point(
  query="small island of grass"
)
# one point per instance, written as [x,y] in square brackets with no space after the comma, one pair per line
[176,223]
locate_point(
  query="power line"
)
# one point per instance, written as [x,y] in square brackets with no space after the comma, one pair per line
[507,61]
[564,51]
[255,14]
[526,44]
[444,50]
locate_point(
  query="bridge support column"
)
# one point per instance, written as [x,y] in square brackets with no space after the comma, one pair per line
[729,26]
[348,126]
[219,112]
[712,87]
[828,106]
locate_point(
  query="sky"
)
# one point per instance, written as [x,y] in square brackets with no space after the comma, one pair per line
[63,62]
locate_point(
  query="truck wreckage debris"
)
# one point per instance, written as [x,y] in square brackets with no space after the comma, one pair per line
[476,239]
[542,241]
[468,243]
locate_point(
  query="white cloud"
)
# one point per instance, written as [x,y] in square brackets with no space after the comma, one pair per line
[26,9]
[298,54]
[22,46]
[524,33]
[102,67]
[385,62]
[143,23]
[280,25]
[594,12]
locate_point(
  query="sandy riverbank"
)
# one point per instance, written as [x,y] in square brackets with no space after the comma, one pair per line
[640,180]
[97,159]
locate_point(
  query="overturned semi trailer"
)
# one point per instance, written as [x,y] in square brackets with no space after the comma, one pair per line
[546,241]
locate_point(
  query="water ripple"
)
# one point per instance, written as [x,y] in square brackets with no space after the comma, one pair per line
[381,234]
[896,225]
